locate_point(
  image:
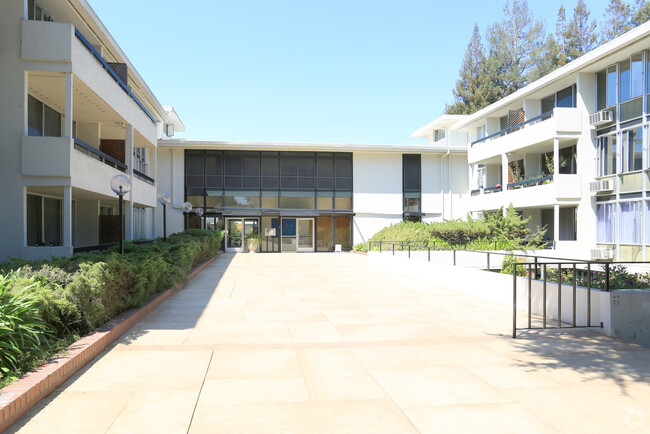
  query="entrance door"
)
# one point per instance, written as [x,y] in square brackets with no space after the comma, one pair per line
[305,235]
[236,231]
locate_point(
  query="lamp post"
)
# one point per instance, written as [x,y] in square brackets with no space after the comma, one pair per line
[164,198]
[199,212]
[121,185]
[187,207]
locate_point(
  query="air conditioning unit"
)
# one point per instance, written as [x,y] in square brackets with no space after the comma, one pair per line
[601,186]
[601,117]
[602,254]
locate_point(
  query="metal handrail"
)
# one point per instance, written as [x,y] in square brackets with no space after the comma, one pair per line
[508,130]
[531,181]
[101,155]
[143,177]
[112,73]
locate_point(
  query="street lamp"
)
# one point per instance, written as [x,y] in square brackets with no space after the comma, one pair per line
[164,198]
[187,207]
[121,185]
[199,212]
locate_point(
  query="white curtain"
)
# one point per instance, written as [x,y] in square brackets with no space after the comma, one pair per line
[605,227]
[630,224]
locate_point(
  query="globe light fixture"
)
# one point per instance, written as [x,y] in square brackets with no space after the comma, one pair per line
[121,185]
[164,198]
[187,207]
[199,212]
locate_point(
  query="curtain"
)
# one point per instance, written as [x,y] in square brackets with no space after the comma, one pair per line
[630,224]
[605,225]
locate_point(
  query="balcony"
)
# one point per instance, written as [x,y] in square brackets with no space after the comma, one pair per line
[561,122]
[540,191]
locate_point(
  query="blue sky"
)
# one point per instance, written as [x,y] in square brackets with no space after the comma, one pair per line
[354,71]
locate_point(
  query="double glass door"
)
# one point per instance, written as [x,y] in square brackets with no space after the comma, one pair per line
[297,234]
[237,230]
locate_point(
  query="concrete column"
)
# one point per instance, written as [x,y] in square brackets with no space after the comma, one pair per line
[128,206]
[556,156]
[556,223]
[504,172]
[67,127]
[67,216]
[153,165]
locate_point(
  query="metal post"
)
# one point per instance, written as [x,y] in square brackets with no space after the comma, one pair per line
[380,245]
[536,267]
[454,257]
[514,301]
[607,277]
[429,254]
[409,250]
[393,249]
[589,295]
[530,297]
[164,222]
[186,228]
[121,200]
[559,295]
[488,261]
[544,296]
[574,295]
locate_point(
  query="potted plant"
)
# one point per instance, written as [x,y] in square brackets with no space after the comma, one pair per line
[253,240]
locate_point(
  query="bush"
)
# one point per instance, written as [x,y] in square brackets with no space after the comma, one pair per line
[460,231]
[361,247]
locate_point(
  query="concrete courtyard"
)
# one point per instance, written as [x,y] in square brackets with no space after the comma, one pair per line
[325,343]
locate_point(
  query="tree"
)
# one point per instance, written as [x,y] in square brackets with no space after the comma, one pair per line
[641,12]
[580,34]
[617,20]
[515,44]
[472,91]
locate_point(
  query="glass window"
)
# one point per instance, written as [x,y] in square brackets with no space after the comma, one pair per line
[637,75]
[438,135]
[630,223]
[214,199]
[324,200]
[233,163]
[252,164]
[624,81]
[412,202]
[241,199]
[411,166]
[647,222]
[194,163]
[503,122]
[213,163]
[601,90]
[288,164]
[270,164]
[631,109]
[611,85]
[480,132]
[607,155]
[565,98]
[343,170]
[306,164]
[34,116]
[342,232]
[343,200]
[270,199]
[324,234]
[34,220]
[605,223]
[548,103]
[52,221]
[52,122]
[297,200]
[633,150]
[195,196]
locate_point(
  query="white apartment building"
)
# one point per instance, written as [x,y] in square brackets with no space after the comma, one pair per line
[571,150]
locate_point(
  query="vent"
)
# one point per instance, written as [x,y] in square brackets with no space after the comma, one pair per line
[601,186]
[602,254]
[601,118]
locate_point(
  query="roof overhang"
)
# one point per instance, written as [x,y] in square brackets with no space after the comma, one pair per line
[440,123]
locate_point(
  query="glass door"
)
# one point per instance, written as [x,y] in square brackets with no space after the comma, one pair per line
[236,231]
[305,235]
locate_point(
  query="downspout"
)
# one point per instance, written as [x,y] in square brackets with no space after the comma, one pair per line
[442,187]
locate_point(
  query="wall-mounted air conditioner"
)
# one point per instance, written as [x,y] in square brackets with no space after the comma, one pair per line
[602,254]
[601,186]
[602,117]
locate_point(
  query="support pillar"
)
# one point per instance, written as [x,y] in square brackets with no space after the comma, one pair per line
[556,224]
[69,95]
[556,156]
[67,217]
[128,159]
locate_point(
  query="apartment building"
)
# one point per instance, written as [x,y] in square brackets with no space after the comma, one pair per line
[309,197]
[75,113]
[571,151]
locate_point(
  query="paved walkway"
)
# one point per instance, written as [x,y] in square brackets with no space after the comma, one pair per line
[323,343]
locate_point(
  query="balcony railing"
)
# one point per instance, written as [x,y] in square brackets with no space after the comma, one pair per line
[142,177]
[512,129]
[112,73]
[531,182]
[99,155]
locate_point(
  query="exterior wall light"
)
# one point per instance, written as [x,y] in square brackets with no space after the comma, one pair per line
[121,185]
[187,207]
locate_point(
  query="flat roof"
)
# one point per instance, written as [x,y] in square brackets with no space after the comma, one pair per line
[440,122]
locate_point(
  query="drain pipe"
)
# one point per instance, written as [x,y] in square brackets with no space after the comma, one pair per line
[442,187]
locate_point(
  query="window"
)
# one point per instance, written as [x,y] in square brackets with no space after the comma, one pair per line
[343,200]
[36,12]
[606,155]
[630,223]
[270,199]
[139,223]
[42,120]
[411,182]
[503,122]
[44,221]
[297,199]
[636,80]
[480,132]
[601,90]
[324,200]
[563,98]
[242,199]
[632,150]
[605,223]
[140,160]
[438,135]
[611,86]
[624,81]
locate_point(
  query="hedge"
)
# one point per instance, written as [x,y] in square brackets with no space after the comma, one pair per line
[73,296]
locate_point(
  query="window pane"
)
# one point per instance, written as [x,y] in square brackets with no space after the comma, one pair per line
[548,104]
[288,164]
[34,116]
[270,199]
[233,181]
[251,182]
[601,90]
[241,199]
[343,165]
[631,109]
[214,199]
[324,200]
[52,220]
[607,155]
[611,86]
[634,151]
[297,200]
[411,172]
[272,182]
[624,82]
[630,222]
[565,97]
[309,183]
[324,234]
[195,197]
[233,163]
[637,75]
[605,223]
[34,220]
[343,200]
[213,163]
[411,202]
[194,163]
[325,164]
[342,233]
[306,164]
[52,122]
[567,224]
[270,164]
[251,164]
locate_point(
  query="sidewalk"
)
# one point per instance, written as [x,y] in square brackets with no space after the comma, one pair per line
[323,342]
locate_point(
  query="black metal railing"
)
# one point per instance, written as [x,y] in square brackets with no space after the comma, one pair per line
[98,155]
[141,176]
[530,182]
[112,73]
[494,189]
[512,129]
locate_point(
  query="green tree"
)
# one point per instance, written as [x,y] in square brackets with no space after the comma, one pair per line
[515,45]
[472,91]
[617,20]
[512,227]
[580,33]
[641,12]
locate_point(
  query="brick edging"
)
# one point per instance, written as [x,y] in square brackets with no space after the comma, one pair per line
[23,394]
[359,253]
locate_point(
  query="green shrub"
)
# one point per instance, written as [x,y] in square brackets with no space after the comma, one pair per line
[509,263]
[361,247]
[460,231]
